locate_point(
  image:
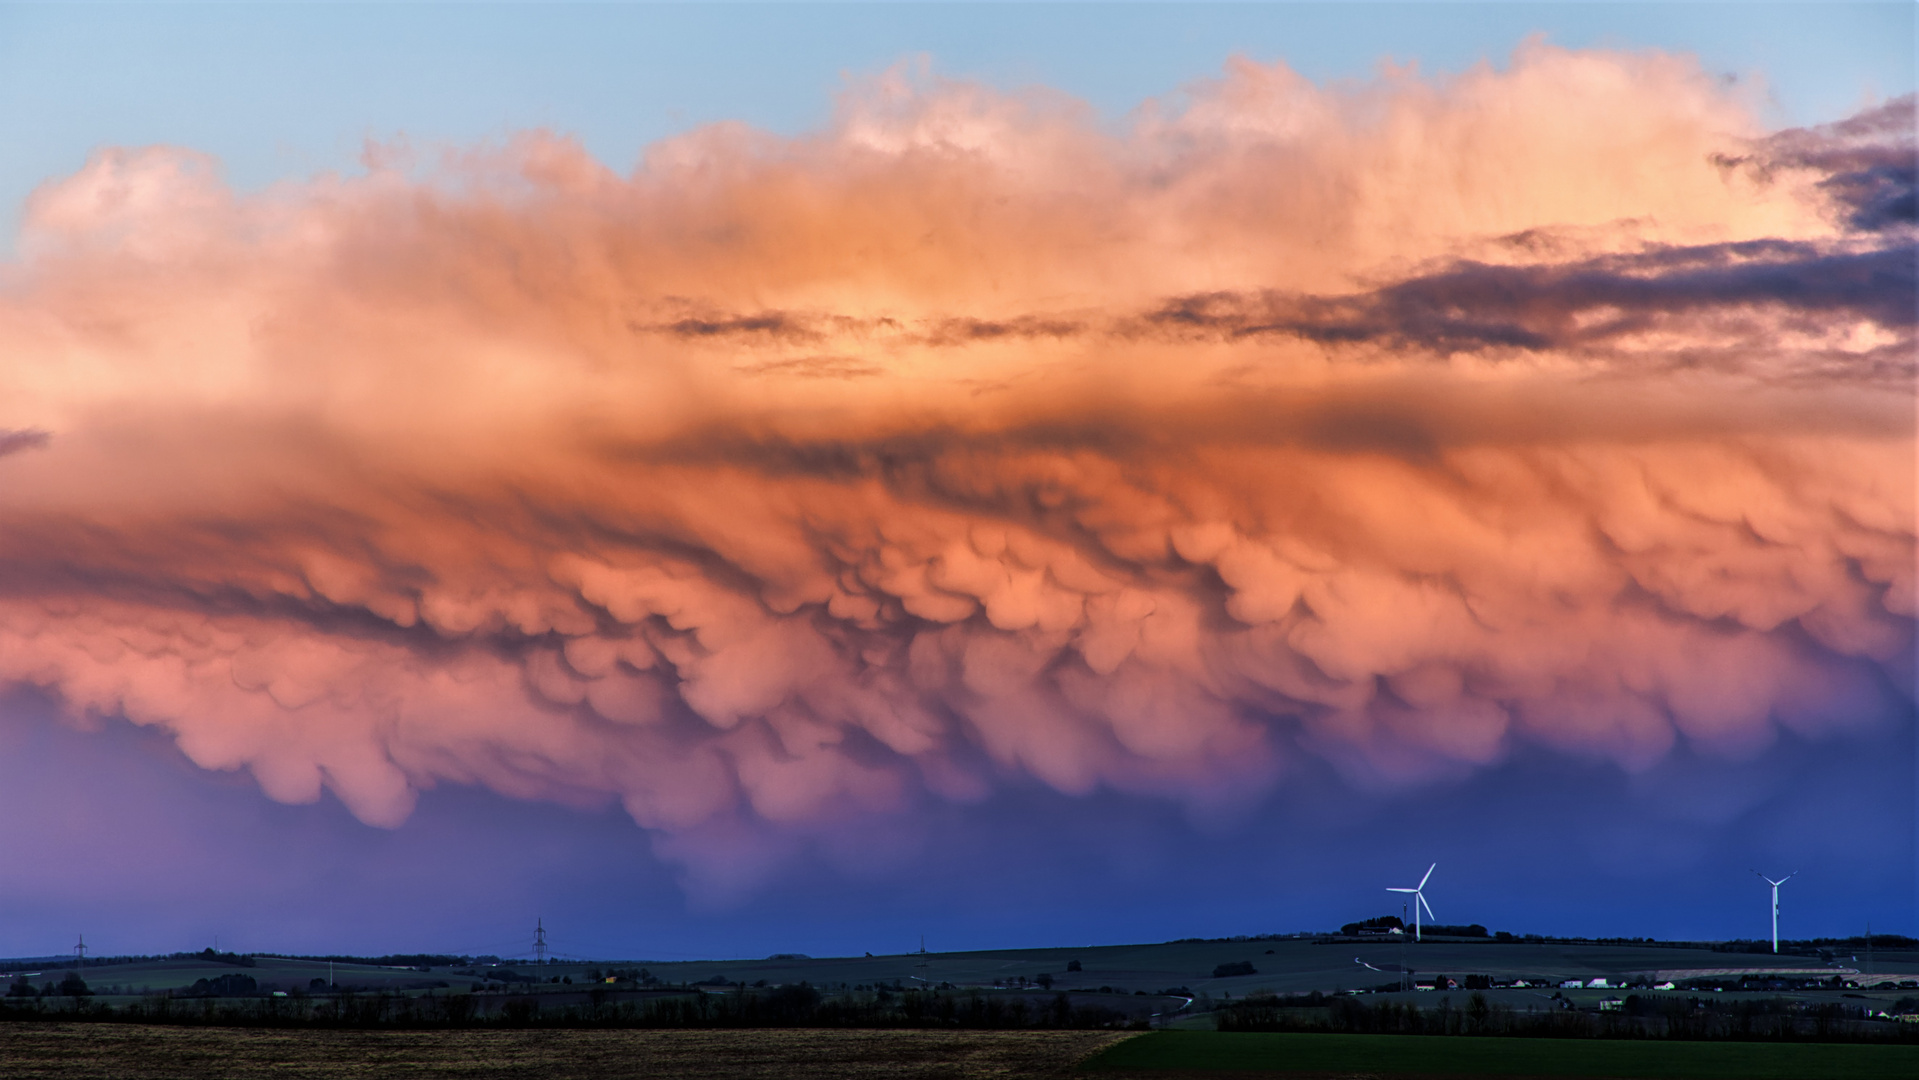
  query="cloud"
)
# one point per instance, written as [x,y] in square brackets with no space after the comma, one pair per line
[788,486]
[1731,300]
[1871,161]
[15,441]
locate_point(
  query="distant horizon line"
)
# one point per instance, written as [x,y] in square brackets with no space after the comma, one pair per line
[366,959]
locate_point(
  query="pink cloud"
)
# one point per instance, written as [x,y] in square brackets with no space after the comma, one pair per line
[788,482]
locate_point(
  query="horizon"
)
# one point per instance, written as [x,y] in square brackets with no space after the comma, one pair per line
[1492,937]
[999,474]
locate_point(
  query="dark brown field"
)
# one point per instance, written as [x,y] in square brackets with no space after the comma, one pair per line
[97,1051]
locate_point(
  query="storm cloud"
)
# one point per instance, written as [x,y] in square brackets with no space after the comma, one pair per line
[785,484]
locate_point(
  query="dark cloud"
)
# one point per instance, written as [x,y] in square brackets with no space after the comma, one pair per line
[1586,305]
[966,331]
[1872,160]
[769,324]
[15,441]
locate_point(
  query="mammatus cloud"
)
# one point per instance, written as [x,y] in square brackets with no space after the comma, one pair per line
[786,483]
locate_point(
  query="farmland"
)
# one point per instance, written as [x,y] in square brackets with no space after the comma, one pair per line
[137,1052]
[1160,981]
[1054,1012]
[67,1051]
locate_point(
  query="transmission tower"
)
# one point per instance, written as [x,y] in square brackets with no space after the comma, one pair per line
[80,952]
[539,941]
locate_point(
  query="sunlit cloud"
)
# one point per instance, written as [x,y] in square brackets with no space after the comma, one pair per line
[790,482]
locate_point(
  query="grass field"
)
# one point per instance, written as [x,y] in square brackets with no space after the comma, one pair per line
[135,1052]
[1192,1053]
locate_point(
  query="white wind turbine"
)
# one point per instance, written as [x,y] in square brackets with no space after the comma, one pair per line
[1775,903]
[1419,897]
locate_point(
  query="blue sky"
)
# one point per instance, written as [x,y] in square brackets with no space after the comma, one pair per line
[278,90]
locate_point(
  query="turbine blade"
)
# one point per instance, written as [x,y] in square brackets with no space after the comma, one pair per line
[1429,907]
[1389,889]
[1429,874]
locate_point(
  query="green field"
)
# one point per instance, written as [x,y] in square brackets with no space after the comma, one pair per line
[1191,1052]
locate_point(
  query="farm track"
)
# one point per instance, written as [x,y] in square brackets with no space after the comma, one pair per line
[99,1051]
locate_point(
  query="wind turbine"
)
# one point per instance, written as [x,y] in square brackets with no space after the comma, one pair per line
[1419,897]
[1775,903]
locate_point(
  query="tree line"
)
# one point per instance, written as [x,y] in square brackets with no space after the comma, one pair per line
[800,1005]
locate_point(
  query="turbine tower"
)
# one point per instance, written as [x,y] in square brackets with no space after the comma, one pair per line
[1419,898]
[1775,903]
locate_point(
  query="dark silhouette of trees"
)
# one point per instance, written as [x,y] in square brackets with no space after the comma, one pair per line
[233,985]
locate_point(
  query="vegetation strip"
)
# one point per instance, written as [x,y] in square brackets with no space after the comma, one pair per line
[1197,1052]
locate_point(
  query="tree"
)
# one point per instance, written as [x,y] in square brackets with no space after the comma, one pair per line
[1072,965]
[1045,982]
[74,986]
[234,985]
[22,988]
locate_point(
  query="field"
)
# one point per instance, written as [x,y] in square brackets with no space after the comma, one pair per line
[1131,979]
[132,980]
[55,1051]
[1176,1053]
[1288,965]
[135,1052]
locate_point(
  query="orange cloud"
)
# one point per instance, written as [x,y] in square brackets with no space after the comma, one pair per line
[787,482]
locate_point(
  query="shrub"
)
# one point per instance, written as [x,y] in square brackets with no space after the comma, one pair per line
[1236,967]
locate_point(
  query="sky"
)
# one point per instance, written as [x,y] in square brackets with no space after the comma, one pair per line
[725,480]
